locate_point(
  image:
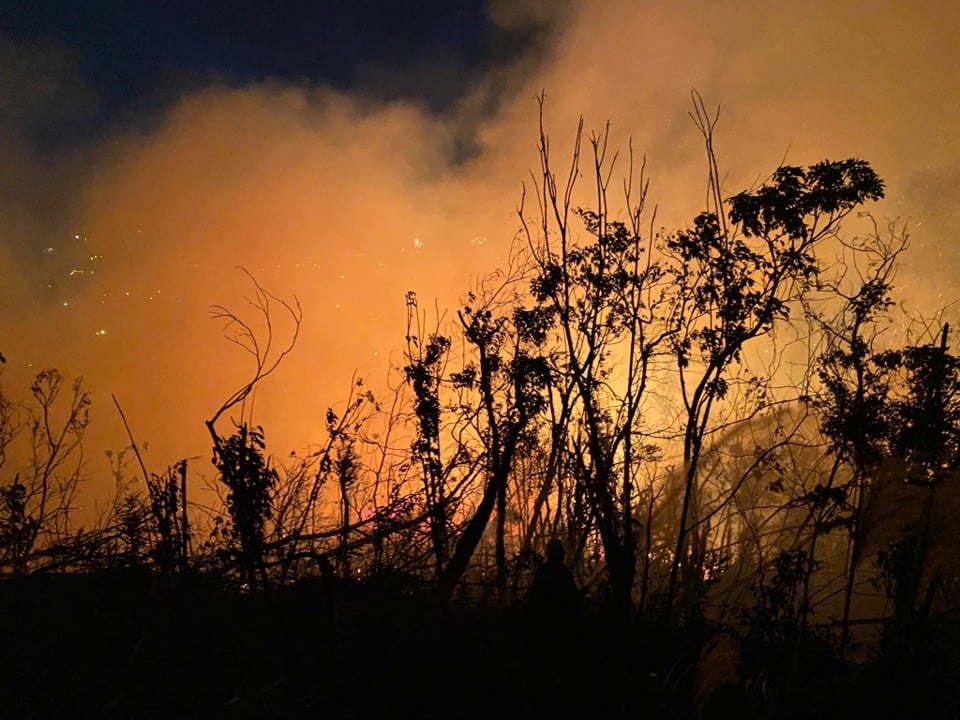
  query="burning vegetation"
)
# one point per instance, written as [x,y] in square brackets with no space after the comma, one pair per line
[727,426]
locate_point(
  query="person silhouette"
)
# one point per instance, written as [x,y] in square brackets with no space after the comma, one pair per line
[554,594]
[552,640]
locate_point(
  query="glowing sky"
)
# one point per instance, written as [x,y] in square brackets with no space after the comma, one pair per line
[349,192]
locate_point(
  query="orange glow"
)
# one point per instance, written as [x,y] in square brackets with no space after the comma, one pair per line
[347,205]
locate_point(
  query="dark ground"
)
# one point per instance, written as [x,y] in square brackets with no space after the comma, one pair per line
[90,646]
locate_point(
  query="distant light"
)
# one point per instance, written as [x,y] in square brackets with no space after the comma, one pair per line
[417,243]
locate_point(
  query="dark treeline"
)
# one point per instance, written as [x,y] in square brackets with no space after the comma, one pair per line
[750,457]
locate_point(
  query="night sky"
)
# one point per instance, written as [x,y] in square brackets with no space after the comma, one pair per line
[137,58]
[346,152]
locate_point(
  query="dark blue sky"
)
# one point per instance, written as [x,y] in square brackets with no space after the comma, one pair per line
[136,55]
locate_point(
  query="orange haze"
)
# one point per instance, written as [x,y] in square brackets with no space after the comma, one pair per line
[346,204]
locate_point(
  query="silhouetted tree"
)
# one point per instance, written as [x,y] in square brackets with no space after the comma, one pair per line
[35,505]
[601,303]
[852,397]
[508,376]
[618,306]
[739,271]
[425,361]
[240,457]
[925,434]
[250,482]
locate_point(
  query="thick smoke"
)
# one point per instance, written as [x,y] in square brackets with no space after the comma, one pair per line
[112,254]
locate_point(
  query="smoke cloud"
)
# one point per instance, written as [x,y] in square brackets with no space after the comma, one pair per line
[112,254]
